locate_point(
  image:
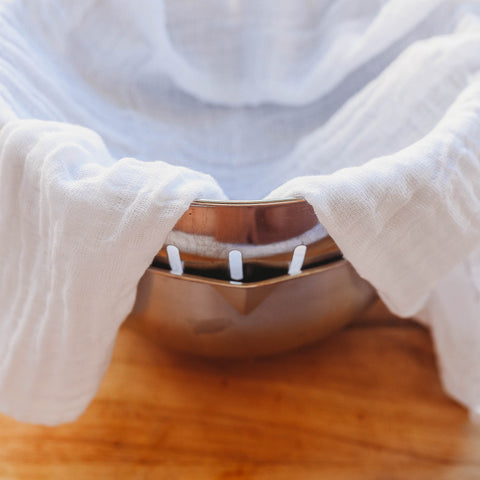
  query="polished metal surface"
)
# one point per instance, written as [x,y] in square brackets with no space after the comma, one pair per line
[254,223]
[242,225]
[264,303]
[218,318]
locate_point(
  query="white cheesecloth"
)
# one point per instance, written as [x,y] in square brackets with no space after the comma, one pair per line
[116,114]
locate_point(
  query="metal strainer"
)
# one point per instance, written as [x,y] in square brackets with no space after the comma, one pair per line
[248,279]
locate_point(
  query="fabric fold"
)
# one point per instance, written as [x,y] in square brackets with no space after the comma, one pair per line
[114,121]
[77,231]
[406,220]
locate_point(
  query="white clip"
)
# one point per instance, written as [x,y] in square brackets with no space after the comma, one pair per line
[298,258]
[236,265]
[176,265]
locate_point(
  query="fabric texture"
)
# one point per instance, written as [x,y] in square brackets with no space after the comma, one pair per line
[115,115]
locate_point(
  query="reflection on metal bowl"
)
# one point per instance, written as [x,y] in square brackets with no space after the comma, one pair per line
[199,305]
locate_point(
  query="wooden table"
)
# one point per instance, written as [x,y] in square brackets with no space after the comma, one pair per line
[364,404]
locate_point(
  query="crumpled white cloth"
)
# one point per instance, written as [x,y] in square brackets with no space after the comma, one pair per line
[115,115]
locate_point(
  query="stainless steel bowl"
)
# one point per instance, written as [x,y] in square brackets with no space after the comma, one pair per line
[197,306]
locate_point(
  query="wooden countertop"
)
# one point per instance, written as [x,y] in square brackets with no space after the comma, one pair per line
[364,404]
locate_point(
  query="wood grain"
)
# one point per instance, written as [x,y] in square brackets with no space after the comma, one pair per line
[364,404]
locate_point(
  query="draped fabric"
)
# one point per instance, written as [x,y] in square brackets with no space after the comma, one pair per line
[115,115]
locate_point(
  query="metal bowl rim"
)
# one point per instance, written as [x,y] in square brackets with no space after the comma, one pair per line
[245,203]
